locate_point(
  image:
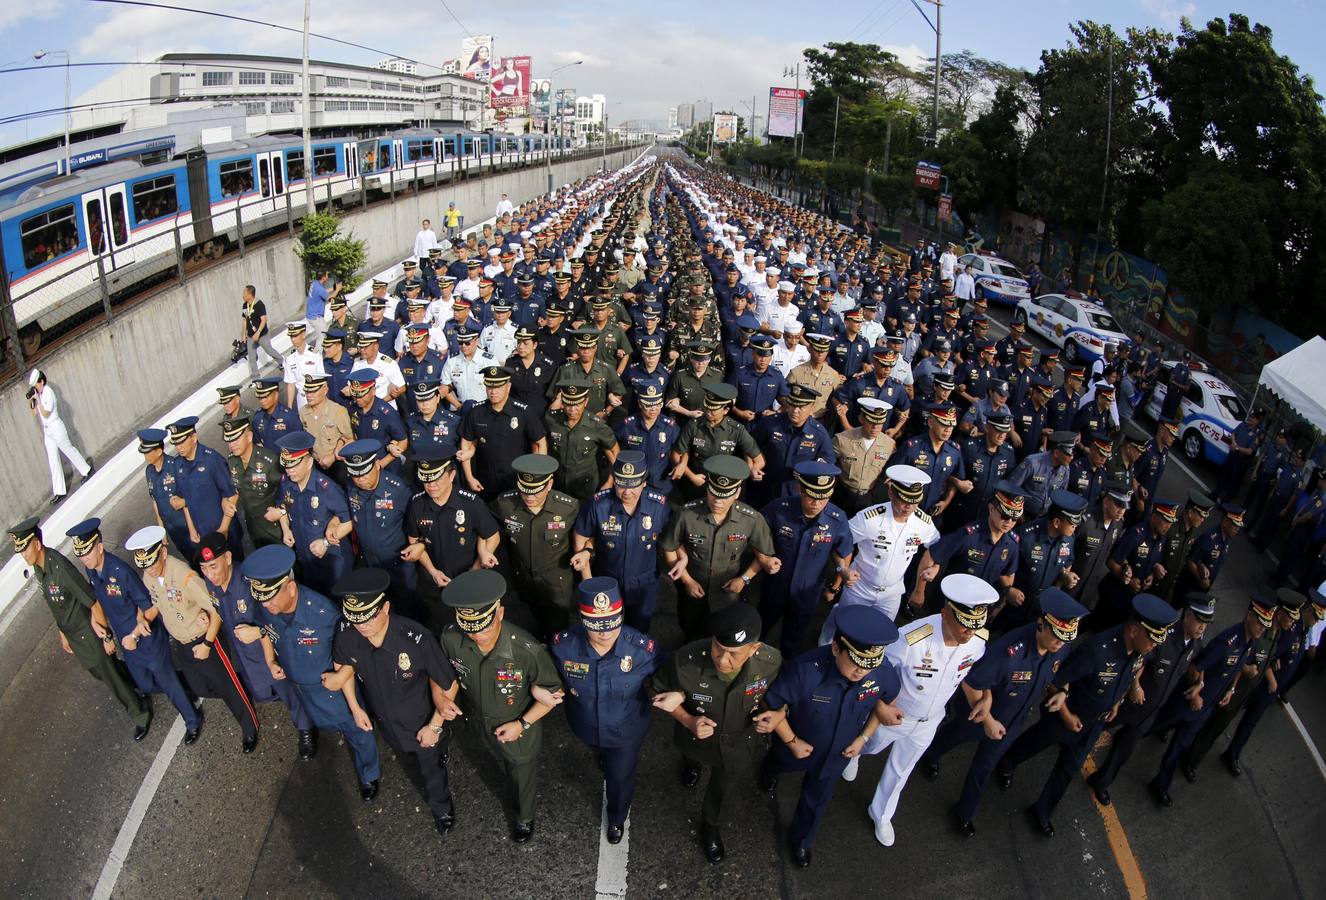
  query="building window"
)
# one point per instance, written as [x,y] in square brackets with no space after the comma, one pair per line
[154,199]
[217,79]
[236,177]
[255,109]
[52,234]
[379,107]
[283,78]
[381,86]
[282,106]
[359,105]
[334,81]
[335,106]
[252,78]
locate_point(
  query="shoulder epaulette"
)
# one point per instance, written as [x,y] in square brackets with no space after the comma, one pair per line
[919,634]
[982,633]
[873,512]
[923,516]
[465,493]
[655,495]
[515,402]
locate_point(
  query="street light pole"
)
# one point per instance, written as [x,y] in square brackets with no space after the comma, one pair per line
[552,93]
[310,203]
[68,113]
[936,28]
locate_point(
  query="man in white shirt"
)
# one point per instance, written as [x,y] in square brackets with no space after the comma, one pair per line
[765,291]
[932,657]
[948,263]
[463,372]
[498,340]
[300,361]
[783,313]
[504,206]
[469,287]
[965,286]
[46,408]
[390,383]
[494,266]
[887,536]
[790,353]
[424,241]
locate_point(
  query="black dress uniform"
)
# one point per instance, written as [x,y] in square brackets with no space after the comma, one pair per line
[495,686]
[499,436]
[529,381]
[1096,676]
[396,673]
[730,702]
[608,706]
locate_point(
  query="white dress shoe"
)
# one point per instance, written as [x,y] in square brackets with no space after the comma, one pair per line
[884,833]
[849,773]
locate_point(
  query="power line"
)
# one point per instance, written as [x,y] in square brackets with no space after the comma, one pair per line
[454,19]
[245,19]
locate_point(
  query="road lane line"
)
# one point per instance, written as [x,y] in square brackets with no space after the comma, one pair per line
[1119,846]
[610,882]
[124,841]
[1307,739]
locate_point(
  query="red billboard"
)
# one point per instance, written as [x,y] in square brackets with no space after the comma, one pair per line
[510,85]
[927,175]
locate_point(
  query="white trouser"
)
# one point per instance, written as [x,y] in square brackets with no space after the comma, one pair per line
[57,442]
[909,740]
[887,599]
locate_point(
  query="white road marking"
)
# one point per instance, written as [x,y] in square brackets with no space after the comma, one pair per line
[1307,739]
[124,841]
[610,883]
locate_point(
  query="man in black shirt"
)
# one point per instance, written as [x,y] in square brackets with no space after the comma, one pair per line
[254,331]
[410,684]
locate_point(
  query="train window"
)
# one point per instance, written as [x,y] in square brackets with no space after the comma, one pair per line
[277,180]
[294,164]
[417,150]
[324,160]
[119,224]
[96,226]
[236,177]
[155,198]
[49,236]
[384,160]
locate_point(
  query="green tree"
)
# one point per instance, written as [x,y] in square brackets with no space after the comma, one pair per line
[323,249]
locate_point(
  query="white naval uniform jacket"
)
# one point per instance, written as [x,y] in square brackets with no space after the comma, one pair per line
[930,672]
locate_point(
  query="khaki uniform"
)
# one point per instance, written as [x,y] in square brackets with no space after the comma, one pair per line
[578,450]
[541,553]
[734,745]
[258,485]
[716,554]
[861,465]
[495,689]
[330,426]
[824,382]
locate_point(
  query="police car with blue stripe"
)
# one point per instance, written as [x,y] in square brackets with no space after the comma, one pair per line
[1079,326]
[997,280]
[1208,415]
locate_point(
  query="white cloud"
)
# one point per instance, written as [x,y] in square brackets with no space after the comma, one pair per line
[1169,11]
[16,12]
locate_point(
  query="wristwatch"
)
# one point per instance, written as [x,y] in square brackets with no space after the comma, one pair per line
[745,579]
[437,729]
[524,723]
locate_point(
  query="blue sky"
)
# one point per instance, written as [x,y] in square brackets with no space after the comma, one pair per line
[644,57]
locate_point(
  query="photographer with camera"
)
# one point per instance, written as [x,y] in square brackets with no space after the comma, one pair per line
[315,308]
[46,409]
[254,332]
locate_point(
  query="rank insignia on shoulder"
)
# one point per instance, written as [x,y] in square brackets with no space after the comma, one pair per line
[923,516]
[920,634]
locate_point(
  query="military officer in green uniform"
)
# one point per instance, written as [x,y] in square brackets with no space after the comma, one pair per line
[710,435]
[538,521]
[84,632]
[686,388]
[1179,540]
[715,690]
[699,327]
[257,473]
[498,666]
[614,347]
[579,443]
[706,546]
[605,385]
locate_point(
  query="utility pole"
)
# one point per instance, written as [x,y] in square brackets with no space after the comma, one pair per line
[310,204]
[788,70]
[68,112]
[935,27]
[554,97]
[1109,124]
[834,154]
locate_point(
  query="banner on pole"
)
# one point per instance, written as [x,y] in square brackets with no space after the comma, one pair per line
[786,106]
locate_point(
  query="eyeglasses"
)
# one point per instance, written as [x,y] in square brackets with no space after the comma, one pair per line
[1004,516]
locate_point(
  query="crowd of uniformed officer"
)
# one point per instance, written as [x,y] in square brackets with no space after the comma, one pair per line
[463,507]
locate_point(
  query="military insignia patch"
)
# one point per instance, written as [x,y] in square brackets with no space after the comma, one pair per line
[403,661]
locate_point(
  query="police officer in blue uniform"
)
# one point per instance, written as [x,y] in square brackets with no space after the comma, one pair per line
[433,426]
[233,601]
[789,437]
[311,503]
[420,363]
[812,538]
[1212,675]
[1134,564]
[880,384]
[337,364]
[987,548]
[988,459]
[617,533]
[203,482]
[1045,558]
[375,419]
[1086,476]
[1150,466]
[758,384]
[640,375]
[379,501]
[161,472]
[1087,692]
[605,666]
[834,697]
[1015,670]
[1207,557]
[146,651]
[1040,474]
[301,625]
[935,454]
[652,432]
[272,420]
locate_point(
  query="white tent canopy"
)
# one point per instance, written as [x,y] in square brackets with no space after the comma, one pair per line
[1299,379]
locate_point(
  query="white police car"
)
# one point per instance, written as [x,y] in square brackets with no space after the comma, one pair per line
[1208,415]
[1079,326]
[997,280]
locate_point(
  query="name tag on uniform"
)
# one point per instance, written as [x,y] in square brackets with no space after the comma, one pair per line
[1020,677]
[576,669]
[307,641]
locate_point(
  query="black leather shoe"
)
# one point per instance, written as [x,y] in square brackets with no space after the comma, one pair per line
[1161,797]
[140,731]
[615,833]
[930,770]
[523,832]
[1232,764]
[444,823]
[191,736]
[1045,826]
[712,842]
[801,856]
[1189,772]
[1101,794]
[690,776]
[1005,778]
[308,744]
[249,743]
[368,791]
[965,826]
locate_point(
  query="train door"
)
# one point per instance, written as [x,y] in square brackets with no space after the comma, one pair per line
[398,151]
[351,161]
[106,224]
[271,179]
